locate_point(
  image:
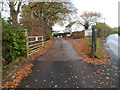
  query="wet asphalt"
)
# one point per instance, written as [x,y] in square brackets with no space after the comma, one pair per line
[113,58]
[61,67]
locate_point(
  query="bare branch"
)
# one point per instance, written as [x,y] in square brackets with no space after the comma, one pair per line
[19,4]
[15,3]
[8,2]
[80,23]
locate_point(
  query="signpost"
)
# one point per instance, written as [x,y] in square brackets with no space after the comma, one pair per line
[94,38]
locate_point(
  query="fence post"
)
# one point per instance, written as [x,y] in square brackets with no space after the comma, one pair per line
[27,42]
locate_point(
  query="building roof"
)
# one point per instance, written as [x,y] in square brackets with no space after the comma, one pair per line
[70,24]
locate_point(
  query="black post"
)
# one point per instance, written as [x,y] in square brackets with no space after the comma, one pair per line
[93,41]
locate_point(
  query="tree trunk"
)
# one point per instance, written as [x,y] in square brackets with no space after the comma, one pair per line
[14,13]
[14,16]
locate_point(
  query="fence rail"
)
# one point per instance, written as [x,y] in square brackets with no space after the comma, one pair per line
[34,43]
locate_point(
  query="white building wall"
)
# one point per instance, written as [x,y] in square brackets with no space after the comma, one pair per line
[68,29]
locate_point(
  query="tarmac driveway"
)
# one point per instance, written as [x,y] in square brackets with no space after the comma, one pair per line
[61,67]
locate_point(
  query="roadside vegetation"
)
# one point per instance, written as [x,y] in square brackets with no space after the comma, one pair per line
[103,30]
[115,31]
[13,43]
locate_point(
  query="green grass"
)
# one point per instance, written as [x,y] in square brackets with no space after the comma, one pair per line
[99,51]
[114,31]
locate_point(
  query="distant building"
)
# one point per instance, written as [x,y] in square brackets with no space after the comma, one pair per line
[69,27]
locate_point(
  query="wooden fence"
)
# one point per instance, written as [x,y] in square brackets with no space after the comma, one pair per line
[34,43]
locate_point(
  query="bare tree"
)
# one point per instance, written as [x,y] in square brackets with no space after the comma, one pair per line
[87,17]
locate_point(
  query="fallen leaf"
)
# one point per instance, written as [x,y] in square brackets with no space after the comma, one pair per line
[27,86]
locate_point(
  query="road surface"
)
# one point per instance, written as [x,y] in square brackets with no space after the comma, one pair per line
[61,67]
[112,46]
[112,41]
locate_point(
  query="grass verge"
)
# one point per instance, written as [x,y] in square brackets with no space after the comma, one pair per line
[84,50]
[99,50]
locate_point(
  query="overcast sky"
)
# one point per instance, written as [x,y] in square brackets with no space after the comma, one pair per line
[108,9]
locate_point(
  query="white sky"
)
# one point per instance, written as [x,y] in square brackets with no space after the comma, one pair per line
[108,9]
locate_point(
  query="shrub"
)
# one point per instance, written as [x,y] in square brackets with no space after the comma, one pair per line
[14,43]
[103,30]
[79,34]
